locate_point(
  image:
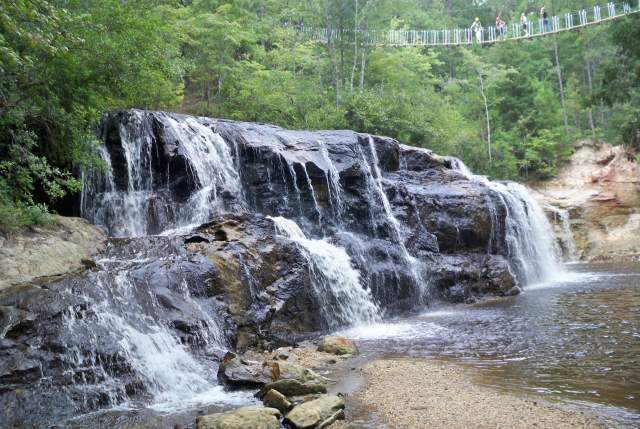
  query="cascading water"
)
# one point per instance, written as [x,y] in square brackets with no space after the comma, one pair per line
[333,182]
[123,317]
[374,182]
[342,299]
[104,204]
[528,235]
[565,235]
[147,325]
[139,203]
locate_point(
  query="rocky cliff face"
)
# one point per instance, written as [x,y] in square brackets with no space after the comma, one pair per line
[227,235]
[596,201]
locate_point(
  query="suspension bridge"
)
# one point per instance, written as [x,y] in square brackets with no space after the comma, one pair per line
[478,35]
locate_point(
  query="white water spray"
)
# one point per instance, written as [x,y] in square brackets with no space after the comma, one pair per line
[528,234]
[342,299]
[122,314]
[374,177]
[139,209]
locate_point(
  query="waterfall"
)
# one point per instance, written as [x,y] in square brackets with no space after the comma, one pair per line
[333,182]
[104,204]
[528,235]
[121,320]
[341,297]
[374,182]
[142,207]
[565,235]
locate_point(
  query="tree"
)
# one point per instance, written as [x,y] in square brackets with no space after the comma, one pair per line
[61,69]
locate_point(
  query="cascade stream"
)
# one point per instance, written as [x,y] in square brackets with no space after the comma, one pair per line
[348,227]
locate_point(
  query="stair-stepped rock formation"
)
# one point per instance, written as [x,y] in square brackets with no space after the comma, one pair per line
[230,235]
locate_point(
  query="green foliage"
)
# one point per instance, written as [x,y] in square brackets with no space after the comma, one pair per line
[64,62]
[17,215]
[60,69]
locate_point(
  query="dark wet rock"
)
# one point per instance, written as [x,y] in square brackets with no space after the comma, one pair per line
[513,291]
[242,418]
[441,211]
[460,278]
[319,413]
[337,345]
[238,372]
[263,279]
[233,283]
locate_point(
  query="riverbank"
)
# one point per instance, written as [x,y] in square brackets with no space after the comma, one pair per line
[419,393]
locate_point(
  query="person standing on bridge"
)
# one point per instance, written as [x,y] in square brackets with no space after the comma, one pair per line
[524,25]
[476,27]
[545,19]
[501,27]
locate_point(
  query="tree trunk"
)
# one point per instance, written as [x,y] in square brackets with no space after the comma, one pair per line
[363,66]
[603,121]
[590,111]
[331,47]
[355,49]
[486,111]
[561,86]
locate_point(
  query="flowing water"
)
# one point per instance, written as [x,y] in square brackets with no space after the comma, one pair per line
[120,328]
[575,339]
[529,239]
[142,204]
[337,284]
[374,182]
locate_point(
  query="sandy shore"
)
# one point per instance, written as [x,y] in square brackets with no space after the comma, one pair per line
[420,393]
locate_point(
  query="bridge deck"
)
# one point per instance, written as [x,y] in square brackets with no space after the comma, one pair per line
[486,35]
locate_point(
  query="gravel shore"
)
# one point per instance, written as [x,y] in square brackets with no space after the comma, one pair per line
[421,393]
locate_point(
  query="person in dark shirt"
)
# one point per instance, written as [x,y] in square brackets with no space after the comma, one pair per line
[545,19]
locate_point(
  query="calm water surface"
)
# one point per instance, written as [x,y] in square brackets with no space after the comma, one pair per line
[576,340]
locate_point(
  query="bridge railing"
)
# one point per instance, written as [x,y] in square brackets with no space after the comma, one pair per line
[484,35]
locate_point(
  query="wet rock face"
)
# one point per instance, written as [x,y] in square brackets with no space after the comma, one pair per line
[326,181]
[228,285]
[232,282]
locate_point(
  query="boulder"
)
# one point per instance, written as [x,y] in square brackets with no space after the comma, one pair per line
[235,371]
[242,371]
[65,247]
[318,413]
[297,400]
[290,388]
[337,346]
[243,418]
[292,371]
[275,399]
[513,291]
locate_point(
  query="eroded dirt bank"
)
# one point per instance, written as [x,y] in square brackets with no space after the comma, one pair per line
[598,194]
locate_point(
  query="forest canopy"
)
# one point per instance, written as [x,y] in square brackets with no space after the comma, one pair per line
[511,110]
